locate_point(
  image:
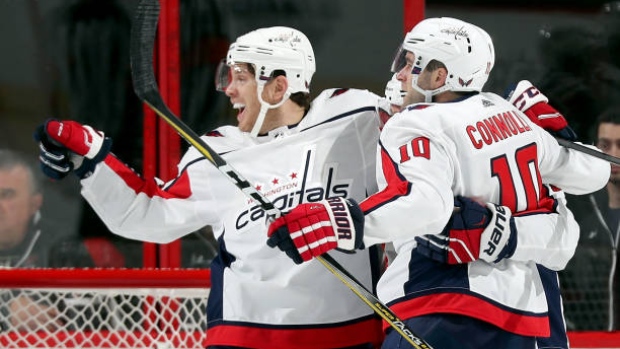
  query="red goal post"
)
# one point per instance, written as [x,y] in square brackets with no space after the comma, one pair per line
[103,308]
[594,339]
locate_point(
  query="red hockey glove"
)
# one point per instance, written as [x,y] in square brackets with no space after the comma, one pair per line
[535,105]
[311,229]
[69,145]
[474,232]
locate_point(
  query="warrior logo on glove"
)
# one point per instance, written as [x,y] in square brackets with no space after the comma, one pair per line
[312,229]
[341,217]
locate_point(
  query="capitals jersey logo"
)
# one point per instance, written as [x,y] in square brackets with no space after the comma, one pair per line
[295,191]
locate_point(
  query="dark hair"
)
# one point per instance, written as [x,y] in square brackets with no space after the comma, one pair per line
[434,65]
[610,115]
[10,159]
[302,99]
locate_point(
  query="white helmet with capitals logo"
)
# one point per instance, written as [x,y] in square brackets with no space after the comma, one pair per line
[276,48]
[269,50]
[465,49]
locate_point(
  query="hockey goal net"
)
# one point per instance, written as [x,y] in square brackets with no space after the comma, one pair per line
[103,308]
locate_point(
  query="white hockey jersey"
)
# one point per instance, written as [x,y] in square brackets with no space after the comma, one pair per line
[482,147]
[259,297]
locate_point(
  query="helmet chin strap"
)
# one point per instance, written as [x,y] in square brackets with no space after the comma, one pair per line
[428,94]
[264,107]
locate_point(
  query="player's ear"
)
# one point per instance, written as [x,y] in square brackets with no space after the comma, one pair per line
[439,77]
[36,201]
[279,87]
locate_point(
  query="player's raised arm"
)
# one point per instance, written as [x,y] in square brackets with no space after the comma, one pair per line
[563,167]
[130,205]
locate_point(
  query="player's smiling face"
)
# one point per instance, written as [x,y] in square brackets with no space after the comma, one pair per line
[242,93]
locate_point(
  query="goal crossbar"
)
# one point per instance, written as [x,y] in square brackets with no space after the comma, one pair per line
[94,278]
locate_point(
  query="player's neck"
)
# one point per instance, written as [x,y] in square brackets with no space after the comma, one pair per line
[446,97]
[287,114]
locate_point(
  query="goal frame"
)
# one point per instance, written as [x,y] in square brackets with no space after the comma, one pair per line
[104,278]
[161,293]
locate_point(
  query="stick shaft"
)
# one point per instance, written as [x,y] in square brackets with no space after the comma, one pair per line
[589,151]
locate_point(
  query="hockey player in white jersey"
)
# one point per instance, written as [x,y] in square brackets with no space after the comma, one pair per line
[291,152]
[482,286]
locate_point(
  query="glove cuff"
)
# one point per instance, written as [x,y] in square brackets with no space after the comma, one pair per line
[84,166]
[348,221]
[98,144]
[497,235]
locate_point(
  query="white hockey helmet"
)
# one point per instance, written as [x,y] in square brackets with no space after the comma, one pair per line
[269,50]
[466,50]
[274,48]
[393,91]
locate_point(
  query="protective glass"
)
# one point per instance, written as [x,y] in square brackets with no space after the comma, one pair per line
[399,61]
[223,76]
[226,75]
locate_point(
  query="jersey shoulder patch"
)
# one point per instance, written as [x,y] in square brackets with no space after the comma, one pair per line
[338,92]
[226,138]
[214,133]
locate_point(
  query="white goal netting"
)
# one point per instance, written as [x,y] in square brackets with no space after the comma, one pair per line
[103,308]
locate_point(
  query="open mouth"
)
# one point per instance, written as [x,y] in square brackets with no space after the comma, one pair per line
[240,109]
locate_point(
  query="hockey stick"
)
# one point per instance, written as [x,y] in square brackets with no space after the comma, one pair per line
[589,151]
[142,42]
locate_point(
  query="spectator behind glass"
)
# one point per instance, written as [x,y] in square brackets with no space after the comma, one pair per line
[590,282]
[27,240]
[24,242]
[22,239]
